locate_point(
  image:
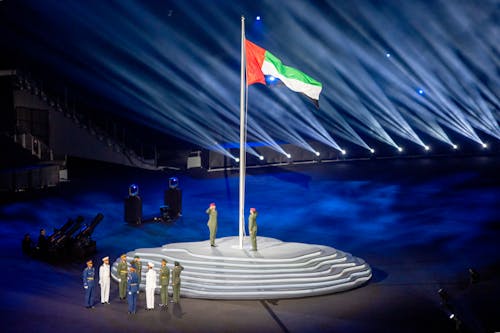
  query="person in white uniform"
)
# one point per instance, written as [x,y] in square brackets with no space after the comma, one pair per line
[104,280]
[150,287]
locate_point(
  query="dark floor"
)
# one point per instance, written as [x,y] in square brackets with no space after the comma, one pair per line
[420,224]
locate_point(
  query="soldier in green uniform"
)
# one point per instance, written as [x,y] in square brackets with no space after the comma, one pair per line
[212,222]
[122,271]
[176,281]
[164,281]
[252,228]
[138,268]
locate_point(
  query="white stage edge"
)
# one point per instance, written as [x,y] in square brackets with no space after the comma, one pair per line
[277,270]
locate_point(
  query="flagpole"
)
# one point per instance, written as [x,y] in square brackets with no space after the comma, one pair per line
[242,136]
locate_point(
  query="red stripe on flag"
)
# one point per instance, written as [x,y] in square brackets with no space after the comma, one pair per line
[255,58]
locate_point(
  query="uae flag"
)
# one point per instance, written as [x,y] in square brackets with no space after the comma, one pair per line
[261,62]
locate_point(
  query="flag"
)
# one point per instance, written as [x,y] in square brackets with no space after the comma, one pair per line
[261,62]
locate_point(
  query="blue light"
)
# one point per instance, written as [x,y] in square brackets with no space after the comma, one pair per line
[420,92]
[388,55]
[272,78]
[258,18]
[133,190]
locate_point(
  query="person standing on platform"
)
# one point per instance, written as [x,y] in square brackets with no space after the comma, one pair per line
[132,290]
[164,281]
[212,222]
[176,281]
[104,280]
[252,228]
[122,271]
[138,268]
[88,284]
[150,287]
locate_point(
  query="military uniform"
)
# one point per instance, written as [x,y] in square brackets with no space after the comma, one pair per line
[138,267]
[150,287]
[176,282]
[164,281]
[252,228]
[122,271]
[88,284]
[132,290]
[104,280]
[212,223]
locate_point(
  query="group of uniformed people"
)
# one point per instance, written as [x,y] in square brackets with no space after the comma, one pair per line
[129,280]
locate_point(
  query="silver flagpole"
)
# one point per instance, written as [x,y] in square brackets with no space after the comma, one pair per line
[242,135]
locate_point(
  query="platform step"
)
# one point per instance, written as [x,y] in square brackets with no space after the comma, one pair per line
[277,270]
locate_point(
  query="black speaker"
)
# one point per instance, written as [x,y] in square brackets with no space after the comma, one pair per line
[173,199]
[133,209]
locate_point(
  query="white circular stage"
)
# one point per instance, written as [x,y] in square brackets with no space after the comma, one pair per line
[277,270]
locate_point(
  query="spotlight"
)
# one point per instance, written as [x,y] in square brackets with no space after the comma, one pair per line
[237,160]
[454,146]
[271,78]
[343,151]
[261,157]
[288,155]
[484,145]
[427,148]
[133,190]
[317,153]
[400,149]
[258,18]
[372,150]
[173,182]
[388,55]
[420,92]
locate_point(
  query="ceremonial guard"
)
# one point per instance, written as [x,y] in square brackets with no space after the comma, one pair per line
[252,228]
[132,290]
[176,281]
[150,287]
[212,222]
[104,280]
[88,284]
[122,271]
[138,267]
[164,281]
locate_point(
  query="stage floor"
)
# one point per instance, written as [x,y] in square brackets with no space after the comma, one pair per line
[419,224]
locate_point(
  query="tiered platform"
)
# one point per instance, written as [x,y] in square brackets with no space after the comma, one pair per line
[277,270]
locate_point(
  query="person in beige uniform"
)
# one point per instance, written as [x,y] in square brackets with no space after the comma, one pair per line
[122,271]
[212,222]
[252,228]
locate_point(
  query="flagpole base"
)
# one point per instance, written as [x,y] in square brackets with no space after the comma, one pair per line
[275,270]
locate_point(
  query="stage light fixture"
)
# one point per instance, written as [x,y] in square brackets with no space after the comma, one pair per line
[288,155]
[261,157]
[421,92]
[173,182]
[454,146]
[317,153]
[427,148]
[372,150]
[258,18]
[343,151]
[400,149]
[388,55]
[484,145]
[133,190]
[237,160]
